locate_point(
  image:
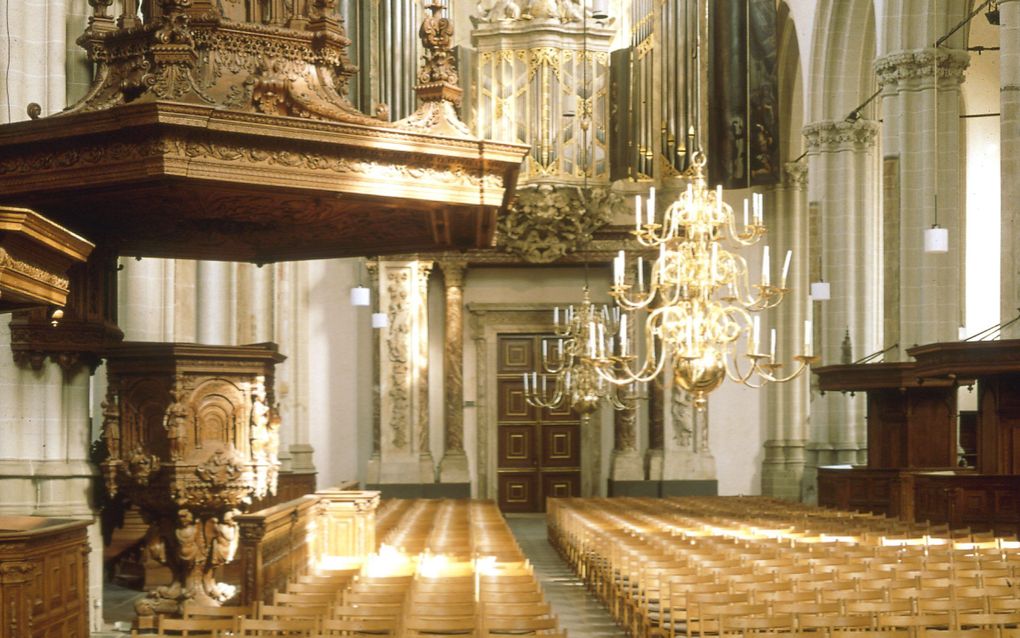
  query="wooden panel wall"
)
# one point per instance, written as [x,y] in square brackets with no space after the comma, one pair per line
[43,578]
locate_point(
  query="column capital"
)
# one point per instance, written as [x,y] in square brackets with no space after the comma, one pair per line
[915,67]
[453,272]
[795,174]
[840,135]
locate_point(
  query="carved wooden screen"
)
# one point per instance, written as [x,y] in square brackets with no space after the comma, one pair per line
[538,450]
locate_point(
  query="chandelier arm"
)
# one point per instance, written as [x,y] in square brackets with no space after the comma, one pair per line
[802,363]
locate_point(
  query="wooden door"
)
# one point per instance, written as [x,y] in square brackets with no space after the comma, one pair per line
[538,450]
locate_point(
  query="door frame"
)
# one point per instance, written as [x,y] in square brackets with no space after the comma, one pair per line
[487,321]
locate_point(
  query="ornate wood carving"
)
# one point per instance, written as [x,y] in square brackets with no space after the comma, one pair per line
[193,438]
[239,137]
[35,256]
[87,327]
[43,577]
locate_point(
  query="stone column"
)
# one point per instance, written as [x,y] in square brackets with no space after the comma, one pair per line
[845,243]
[655,430]
[373,469]
[404,455]
[787,416]
[291,331]
[626,462]
[454,466]
[146,303]
[924,300]
[1009,153]
[215,296]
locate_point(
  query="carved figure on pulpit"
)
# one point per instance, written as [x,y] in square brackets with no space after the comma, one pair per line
[259,433]
[175,422]
[224,538]
[111,425]
[273,449]
[189,547]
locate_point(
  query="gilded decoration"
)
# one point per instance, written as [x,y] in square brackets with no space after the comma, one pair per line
[399,284]
[233,123]
[36,256]
[546,222]
[192,435]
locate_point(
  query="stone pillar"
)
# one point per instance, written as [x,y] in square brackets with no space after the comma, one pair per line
[626,463]
[454,466]
[404,455]
[215,295]
[924,300]
[787,416]
[291,288]
[140,304]
[1009,153]
[656,417]
[373,469]
[845,242]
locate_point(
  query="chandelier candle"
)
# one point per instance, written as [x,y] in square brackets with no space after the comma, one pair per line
[699,299]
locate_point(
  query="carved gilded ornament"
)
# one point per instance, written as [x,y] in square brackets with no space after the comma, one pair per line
[399,284]
[545,222]
[562,11]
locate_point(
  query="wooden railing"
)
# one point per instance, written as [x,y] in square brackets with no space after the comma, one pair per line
[273,547]
[287,540]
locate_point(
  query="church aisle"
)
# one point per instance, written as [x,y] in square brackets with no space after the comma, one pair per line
[579,612]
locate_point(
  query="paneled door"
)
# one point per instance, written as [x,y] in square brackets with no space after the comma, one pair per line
[538,450]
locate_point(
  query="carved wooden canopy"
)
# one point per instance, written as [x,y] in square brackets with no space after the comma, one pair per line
[217,138]
[35,255]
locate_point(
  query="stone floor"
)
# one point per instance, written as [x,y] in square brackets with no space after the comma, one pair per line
[580,613]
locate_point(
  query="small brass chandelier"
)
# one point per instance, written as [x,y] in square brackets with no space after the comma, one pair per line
[698,296]
[583,340]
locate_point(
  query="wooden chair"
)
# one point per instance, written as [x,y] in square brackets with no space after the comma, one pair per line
[309,599]
[276,627]
[358,627]
[517,625]
[195,626]
[309,612]
[190,609]
[438,626]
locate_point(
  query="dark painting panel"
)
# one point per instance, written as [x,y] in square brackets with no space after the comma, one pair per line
[743,103]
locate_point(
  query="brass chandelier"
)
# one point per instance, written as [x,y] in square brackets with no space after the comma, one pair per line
[698,296]
[583,340]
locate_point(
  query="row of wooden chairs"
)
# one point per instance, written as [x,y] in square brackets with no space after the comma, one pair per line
[717,566]
[446,568]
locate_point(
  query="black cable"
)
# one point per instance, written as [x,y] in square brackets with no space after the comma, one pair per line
[7,71]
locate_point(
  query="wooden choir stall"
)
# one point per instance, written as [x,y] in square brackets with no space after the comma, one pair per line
[913,469]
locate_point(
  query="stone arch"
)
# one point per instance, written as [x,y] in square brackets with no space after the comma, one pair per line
[791,85]
[916,24]
[843,50]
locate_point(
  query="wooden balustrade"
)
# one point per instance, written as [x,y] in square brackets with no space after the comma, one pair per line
[280,543]
[274,547]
